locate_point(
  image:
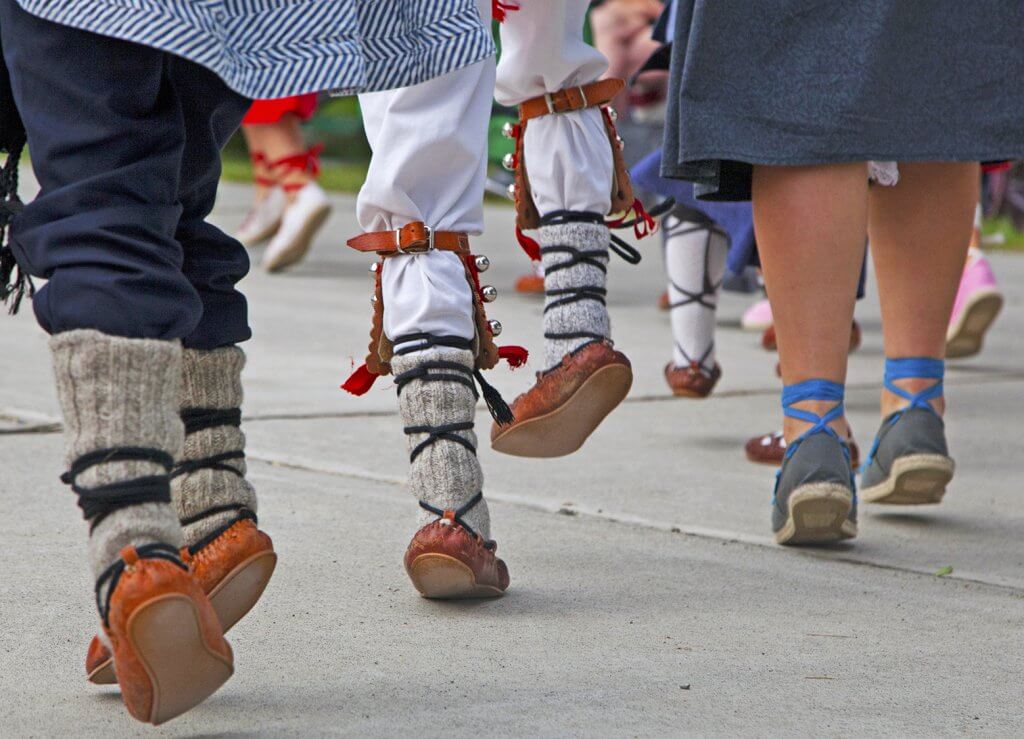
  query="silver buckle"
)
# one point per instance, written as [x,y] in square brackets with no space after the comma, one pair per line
[551,103]
[398,241]
[583,94]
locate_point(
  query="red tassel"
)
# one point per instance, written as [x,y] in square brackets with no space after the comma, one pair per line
[499,9]
[516,356]
[531,247]
[360,381]
[645,225]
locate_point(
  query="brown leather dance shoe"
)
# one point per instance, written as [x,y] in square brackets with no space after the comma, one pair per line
[444,560]
[691,381]
[169,649]
[771,448]
[555,416]
[233,570]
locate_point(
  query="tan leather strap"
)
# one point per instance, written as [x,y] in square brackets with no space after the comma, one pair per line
[571,98]
[414,238]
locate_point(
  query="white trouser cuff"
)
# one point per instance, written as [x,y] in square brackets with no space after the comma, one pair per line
[426,293]
[569,162]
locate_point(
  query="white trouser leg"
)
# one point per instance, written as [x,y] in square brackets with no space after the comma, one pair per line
[567,155]
[429,164]
[695,256]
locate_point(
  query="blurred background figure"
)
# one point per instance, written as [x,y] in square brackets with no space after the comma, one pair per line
[289,206]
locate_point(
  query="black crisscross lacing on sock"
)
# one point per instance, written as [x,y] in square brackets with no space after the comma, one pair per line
[707,296]
[628,253]
[576,256]
[199,419]
[99,502]
[455,372]
[458,513]
[112,575]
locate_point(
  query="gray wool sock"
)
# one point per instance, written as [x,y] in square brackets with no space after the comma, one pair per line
[583,316]
[117,392]
[445,474]
[211,381]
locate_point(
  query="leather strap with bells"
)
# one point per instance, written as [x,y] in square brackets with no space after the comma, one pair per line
[571,98]
[596,94]
[413,238]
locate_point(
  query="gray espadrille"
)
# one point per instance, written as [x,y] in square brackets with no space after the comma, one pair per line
[910,463]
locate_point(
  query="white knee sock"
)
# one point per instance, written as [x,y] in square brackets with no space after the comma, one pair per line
[695,261]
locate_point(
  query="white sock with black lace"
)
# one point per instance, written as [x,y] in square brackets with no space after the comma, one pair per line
[695,256]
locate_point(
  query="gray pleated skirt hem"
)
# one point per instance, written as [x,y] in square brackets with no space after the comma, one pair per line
[810,82]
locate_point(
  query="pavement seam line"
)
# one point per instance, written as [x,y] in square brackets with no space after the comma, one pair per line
[626,519]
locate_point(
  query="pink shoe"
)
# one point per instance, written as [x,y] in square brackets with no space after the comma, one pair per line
[978,302]
[757,317]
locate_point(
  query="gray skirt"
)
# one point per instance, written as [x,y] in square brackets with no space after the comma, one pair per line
[799,82]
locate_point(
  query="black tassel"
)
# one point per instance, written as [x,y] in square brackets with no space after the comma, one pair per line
[13,288]
[12,140]
[499,409]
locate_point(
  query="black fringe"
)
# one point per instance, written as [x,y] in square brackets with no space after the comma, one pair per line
[499,409]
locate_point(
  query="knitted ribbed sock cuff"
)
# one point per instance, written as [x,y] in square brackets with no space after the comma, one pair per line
[211,381]
[116,392]
[445,474]
[587,316]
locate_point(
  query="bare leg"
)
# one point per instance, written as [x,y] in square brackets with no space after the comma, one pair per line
[281,140]
[924,223]
[810,224]
[262,175]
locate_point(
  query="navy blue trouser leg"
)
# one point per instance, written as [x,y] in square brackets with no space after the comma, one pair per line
[124,141]
[214,262]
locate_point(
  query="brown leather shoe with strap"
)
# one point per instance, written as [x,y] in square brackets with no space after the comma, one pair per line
[446,559]
[232,569]
[692,381]
[168,646]
[555,416]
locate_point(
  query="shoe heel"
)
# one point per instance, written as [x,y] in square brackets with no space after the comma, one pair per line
[166,634]
[442,577]
[916,479]
[239,591]
[818,515]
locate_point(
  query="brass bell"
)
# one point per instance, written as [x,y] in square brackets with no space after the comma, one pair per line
[509,161]
[511,191]
[495,327]
[509,130]
[375,268]
[489,293]
[482,263]
[373,299]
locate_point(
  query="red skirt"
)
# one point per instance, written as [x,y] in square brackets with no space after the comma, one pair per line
[263,112]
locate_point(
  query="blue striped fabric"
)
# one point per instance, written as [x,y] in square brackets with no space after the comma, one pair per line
[275,48]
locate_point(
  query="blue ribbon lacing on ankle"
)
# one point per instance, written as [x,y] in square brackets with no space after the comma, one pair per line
[905,368]
[822,390]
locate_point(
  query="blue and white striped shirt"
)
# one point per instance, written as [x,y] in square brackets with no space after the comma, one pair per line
[275,48]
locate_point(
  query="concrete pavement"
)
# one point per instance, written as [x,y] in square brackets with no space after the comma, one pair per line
[646,596]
